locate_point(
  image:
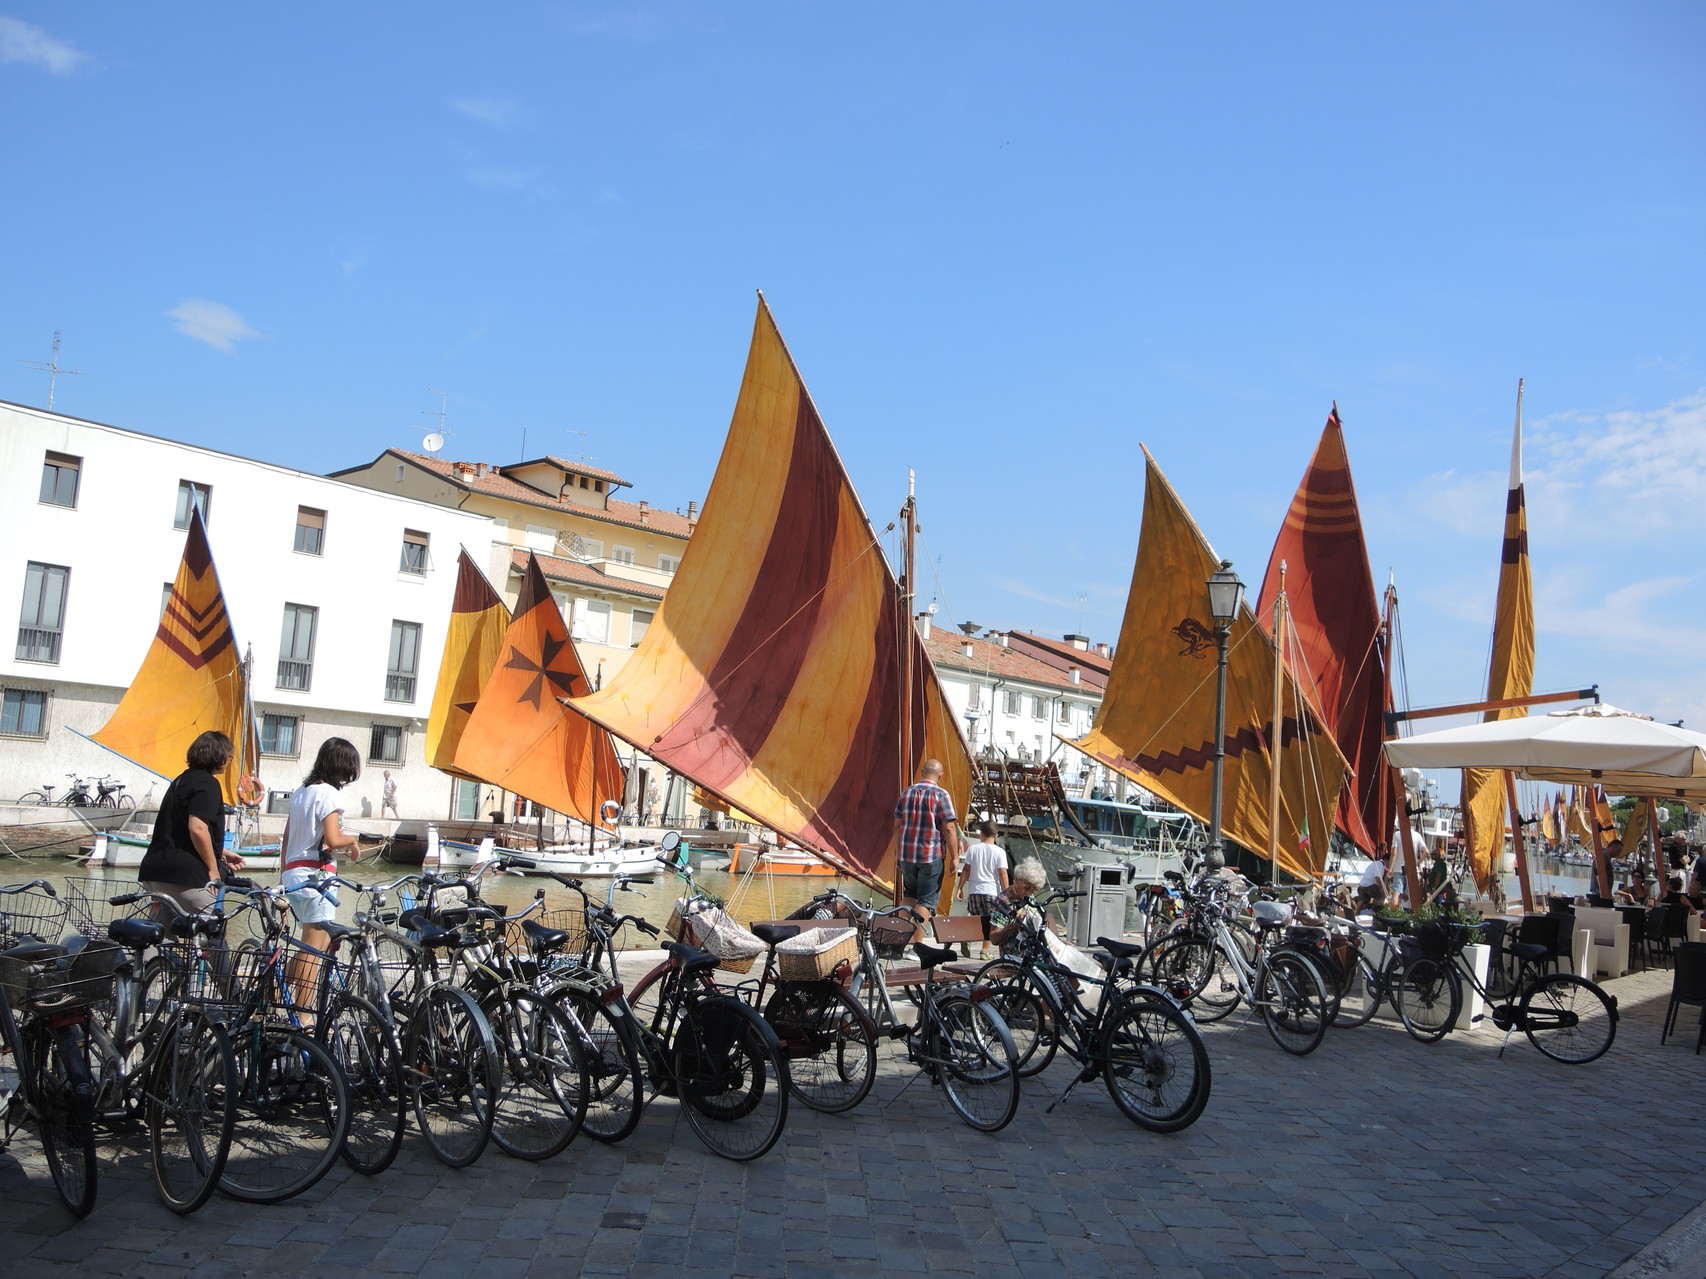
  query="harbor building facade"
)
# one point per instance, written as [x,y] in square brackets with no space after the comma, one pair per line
[339,593]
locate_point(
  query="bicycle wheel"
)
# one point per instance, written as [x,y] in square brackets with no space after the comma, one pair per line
[1156,1066]
[731,1077]
[615,1085]
[1569,1018]
[187,1105]
[1428,999]
[1202,966]
[542,1098]
[1293,1001]
[34,797]
[1028,1013]
[450,1063]
[66,1114]
[366,1050]
[1359,994]
[829,1042]
[125,801]
[976,1065]
[292,1115]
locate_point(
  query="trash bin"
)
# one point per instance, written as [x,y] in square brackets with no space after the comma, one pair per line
[1101,911]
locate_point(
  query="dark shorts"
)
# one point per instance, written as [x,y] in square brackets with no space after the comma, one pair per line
[921,881]
[980,903]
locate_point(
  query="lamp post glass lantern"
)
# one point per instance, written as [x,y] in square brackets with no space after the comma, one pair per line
[1225,591]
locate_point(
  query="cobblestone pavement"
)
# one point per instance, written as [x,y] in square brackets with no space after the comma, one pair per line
[1376,1155]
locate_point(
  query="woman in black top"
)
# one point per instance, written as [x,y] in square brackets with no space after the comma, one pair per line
[186,853]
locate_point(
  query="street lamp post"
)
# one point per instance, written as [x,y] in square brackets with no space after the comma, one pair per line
[1224,593]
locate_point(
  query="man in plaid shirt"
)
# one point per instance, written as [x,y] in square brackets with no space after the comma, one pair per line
[924,824]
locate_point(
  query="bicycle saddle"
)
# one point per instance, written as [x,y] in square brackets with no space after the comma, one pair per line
[543,938]
[1117,965]
[430,934]
[32,952]
[1119,949]
[1269,914]
[770,934]
[930,956]
[136,934]
[690,958]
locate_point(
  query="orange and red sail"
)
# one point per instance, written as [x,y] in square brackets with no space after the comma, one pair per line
[1333,625]
[191,680]
[519,735]
[473,642]
[774,674]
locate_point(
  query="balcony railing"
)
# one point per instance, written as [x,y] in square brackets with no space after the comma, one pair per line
[37,645]
[294,674]
[399,688]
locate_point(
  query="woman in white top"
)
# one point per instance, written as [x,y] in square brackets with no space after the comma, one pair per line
[313,834]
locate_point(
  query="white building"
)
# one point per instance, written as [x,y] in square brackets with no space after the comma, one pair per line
[342,593]
[1012,705]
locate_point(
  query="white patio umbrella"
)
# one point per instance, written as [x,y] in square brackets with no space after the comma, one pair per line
[1627,753]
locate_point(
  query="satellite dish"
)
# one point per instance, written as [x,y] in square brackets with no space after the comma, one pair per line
[433,442]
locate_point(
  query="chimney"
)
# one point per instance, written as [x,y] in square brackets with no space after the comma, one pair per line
[1001,638]
[1072,673]
[480,469]
[645,509]
[965,648]
[922,621]
[1104,650]
[692,512]
[464,471]
[1079,642]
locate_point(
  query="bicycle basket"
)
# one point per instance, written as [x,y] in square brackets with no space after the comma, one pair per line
[90,913]
[31,916]
[569,919]
[891,937]
[1444,939]
[69,982]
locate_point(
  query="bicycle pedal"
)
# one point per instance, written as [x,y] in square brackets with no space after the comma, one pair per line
[901,1032]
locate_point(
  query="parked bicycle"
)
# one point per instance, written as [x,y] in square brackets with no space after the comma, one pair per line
[959,1042]
[1567,1017]
[1221,963]
[1137,1038]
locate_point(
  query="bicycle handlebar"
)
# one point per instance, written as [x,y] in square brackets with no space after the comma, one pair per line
[34,883]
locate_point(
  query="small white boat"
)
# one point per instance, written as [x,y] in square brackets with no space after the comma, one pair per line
[124,850]
[605,861]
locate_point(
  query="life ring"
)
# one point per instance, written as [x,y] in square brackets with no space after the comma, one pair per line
[610,812]
[249,790]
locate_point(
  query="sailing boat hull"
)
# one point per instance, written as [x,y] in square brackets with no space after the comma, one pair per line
[752,859]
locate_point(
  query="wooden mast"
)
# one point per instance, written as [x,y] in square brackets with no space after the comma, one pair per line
[1278,731]
[908,598]
[1401,798]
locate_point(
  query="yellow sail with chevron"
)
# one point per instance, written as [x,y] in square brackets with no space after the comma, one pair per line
[1156,723]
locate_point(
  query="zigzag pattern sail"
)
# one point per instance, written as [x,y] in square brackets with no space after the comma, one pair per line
[1156,724]
[191,679]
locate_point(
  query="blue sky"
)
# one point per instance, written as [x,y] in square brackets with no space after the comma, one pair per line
[1006,243]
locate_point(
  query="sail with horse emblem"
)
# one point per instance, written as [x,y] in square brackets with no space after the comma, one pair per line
[1156,724]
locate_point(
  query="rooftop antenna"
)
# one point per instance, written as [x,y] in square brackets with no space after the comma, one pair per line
[582,434]
[435,439]
[51,368]
[1081,629]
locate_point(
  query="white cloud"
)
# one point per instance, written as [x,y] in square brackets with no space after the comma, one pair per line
[211,322]
[31,46]
[1646,469]
[501,113]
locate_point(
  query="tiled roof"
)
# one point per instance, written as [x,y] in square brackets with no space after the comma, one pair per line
[493,484]
[578,468]
[1060,654]
[561,570]
[990,659]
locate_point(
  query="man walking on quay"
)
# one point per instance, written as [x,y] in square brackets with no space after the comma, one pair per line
[924,824]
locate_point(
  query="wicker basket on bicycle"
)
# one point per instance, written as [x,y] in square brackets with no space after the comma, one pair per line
[68,981]
[818,954]
[708,927]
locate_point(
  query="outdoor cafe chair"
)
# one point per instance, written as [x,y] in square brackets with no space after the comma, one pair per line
[1688,986]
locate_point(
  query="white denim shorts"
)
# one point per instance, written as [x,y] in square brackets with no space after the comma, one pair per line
[308,903]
